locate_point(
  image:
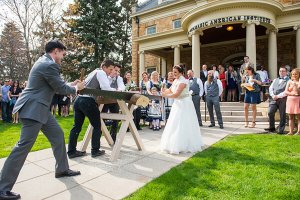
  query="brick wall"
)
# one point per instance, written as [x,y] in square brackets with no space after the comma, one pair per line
[162,25]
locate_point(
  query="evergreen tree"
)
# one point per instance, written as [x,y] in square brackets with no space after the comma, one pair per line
[13,53]
[124,41]
[96,23]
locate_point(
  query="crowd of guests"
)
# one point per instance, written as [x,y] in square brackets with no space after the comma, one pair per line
[215,84]
[10,92]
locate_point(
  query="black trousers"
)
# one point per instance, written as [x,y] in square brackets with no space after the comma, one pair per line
[112,108]
[85,106]
[137,115]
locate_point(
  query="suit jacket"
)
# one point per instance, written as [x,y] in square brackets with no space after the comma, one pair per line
[43,82]
[203,77]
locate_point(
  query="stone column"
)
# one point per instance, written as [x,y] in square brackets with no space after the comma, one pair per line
[163,67]
[297,29]
[142,64]
[176,54]
[251,40]
[196,52]
[272,54]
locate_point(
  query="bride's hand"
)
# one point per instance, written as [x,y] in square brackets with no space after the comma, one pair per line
[164,94]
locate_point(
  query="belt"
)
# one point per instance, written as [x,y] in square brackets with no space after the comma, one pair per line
[195,94]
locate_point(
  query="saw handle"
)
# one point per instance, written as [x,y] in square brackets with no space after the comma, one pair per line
[82,72]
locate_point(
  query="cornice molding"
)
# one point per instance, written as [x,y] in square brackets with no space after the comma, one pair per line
[158,8]
[269,5]
[297,27]
[159,35]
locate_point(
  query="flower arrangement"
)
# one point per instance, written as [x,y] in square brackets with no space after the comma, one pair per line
[131,87]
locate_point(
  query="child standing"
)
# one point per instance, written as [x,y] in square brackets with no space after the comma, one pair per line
[155,111]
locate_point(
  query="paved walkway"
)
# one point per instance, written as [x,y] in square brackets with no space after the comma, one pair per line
[102,179]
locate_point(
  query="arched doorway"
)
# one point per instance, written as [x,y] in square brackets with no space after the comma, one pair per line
[237,60]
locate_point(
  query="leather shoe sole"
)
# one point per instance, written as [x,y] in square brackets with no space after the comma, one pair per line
[98,153]
[9,195]
[77,154]
[270,129]
[67,173]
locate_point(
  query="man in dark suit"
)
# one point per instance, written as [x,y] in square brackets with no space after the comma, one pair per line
[203,77]
[34,109]
[203,74]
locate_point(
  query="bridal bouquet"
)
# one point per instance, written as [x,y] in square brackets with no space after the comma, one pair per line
[131,87]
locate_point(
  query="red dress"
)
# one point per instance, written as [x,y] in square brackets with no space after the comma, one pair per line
[223,80]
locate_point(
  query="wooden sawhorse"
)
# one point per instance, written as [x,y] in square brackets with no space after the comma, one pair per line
[126,121]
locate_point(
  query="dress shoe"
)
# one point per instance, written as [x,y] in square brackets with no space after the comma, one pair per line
[221,126]
[212,125]
[77,154]
[67,173]
[271,130]
[139,128]
[98,153]
[200,124]
[9,195]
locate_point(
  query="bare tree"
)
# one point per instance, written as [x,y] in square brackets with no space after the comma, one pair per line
[38,20]
[26,13]
[48,22]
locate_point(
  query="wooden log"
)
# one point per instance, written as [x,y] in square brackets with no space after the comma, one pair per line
[102,100]
[126,96]
[139,100]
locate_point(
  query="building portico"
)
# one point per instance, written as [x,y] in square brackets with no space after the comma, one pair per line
[211,31]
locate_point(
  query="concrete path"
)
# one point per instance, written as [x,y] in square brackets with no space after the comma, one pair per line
[102,179]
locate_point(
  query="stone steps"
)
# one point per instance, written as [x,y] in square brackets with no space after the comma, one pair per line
[233,112]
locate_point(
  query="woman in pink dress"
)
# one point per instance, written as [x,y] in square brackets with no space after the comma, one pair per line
[292,90]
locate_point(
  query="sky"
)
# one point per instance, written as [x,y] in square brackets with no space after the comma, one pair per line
[65,5]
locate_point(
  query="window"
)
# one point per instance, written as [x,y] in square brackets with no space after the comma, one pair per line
[176,23]
[151,30]
[150,69]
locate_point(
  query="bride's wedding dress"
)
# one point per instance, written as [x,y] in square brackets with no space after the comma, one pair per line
[182,131]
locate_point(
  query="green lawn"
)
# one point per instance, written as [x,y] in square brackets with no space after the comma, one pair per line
[10,133]
[238,167]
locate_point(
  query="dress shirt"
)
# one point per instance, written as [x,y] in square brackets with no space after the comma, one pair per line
[271,92]
[216,74]
[104,81]
[263,75]
[120,82]
[219,85]
[199,82]
[4,90]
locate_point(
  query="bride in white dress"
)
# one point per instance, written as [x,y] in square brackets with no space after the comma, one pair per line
[182,132]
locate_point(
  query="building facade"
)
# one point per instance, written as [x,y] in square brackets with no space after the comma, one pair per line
[197,32]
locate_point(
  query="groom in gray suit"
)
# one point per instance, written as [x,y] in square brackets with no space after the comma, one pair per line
[34,108]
